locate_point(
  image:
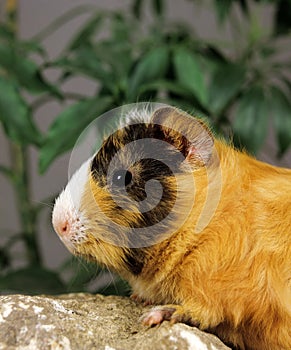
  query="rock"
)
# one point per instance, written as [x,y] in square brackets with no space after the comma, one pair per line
[84,321]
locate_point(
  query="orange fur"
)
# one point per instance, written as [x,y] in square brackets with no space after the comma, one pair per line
[234,278]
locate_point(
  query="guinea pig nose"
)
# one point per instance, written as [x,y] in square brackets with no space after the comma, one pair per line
[63,228]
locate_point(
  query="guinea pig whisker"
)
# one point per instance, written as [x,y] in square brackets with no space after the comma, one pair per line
[46,204]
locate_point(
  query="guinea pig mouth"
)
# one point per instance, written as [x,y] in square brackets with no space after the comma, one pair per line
[70,244]
[76,241]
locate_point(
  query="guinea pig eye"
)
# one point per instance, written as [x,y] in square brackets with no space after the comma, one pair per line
[121,178]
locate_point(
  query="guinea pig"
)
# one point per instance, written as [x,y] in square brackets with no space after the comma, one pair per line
[194,225]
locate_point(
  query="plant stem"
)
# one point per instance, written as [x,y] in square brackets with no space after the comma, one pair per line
[20,170]
[20,165]
[10,14]
[61,20]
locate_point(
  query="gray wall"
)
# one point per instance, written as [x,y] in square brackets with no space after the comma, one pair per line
[36,14]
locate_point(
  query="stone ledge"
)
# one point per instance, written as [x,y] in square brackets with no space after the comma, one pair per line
[85,321]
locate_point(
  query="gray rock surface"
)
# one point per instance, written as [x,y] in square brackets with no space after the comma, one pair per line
[84,321]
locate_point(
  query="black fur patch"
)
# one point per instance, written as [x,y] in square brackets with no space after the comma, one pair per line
[134,260]
[144,168]
[129,134]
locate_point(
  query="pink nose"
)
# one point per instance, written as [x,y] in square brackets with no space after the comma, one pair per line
[62,228]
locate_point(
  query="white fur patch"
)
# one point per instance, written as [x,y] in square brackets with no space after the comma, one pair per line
[67,207]
[75,188]
[68,202]
[142,113]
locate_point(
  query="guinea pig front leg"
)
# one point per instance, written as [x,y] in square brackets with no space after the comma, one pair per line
[171,312]
[186,314]
[140,300]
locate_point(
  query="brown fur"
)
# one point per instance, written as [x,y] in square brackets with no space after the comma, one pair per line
[234,277]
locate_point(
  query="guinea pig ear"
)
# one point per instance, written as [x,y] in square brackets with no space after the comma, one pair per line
[190,135]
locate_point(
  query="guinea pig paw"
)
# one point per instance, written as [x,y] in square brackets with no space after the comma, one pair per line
[157,315]
[172,313]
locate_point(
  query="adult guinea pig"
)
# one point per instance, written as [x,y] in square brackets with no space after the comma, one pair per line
[191,223]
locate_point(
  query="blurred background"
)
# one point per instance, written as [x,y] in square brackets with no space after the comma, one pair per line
[63,63]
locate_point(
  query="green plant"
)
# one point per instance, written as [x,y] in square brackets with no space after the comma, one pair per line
[239,87]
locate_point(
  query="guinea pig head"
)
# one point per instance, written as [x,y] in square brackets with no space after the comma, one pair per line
[135,191]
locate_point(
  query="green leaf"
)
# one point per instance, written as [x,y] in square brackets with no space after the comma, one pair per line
[84,36]
[225,84]
[150,67]
[267,52]
[31,46]
[223,8]
[189,73]
[15,115]
[5,32]
[108,51]
[67,127]
[86,62]
[213,53]
[280,108]
[32,280]
[176,91]
[121,28]
[166,86]
[25,71]
[251,120]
